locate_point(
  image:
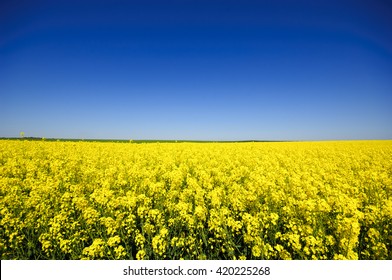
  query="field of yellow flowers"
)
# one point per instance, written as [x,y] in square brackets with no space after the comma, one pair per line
[296,200]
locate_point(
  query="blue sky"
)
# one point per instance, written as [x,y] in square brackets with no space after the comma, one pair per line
[203,70]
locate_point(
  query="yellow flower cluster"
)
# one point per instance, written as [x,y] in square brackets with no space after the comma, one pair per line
[101,200]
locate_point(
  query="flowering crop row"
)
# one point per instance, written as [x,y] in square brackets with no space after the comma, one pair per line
[299,200]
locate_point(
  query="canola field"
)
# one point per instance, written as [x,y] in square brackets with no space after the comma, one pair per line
[293,200]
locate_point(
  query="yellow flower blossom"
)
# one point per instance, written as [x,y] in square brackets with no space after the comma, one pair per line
[106,200]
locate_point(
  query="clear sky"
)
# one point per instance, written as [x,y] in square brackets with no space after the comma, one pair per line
[211,70]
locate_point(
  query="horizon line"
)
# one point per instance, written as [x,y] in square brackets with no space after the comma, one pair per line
[183,140]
